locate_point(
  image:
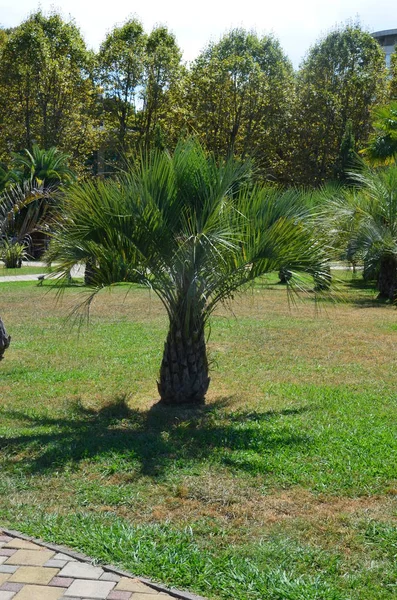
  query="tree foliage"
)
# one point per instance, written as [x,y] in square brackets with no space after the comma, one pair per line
[47,95]
[393,76]
[238,98]
[341,80]
[135,71]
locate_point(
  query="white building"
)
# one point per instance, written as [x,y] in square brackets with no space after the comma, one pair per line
[388,40]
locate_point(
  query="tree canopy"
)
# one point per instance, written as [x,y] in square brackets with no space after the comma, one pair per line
[340,81]
[240,97]
[46,91]
[237,98]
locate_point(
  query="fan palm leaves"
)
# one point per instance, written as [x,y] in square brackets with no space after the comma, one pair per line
[48,167]
[194,232]
[364,220]
[23,210]
[382,148]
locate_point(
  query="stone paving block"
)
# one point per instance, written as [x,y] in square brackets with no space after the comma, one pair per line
[152,596]
[5,538]
[59,564]
[33,575]
[61,556]
[22,545]
[33,558]
[3,559]
[87,588]
[110,577]
[4,577]
[7,569]
[133,585]
[64,582]
[119,596]
[38,592]
[81,570]
[7,552]
[11,587]
[6,595]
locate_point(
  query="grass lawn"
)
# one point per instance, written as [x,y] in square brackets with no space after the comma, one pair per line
[22,271]
[283,487]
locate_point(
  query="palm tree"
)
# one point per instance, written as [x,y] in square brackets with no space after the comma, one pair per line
[194,232]
[47,167]
[23,211]
[364,219]
[45,173]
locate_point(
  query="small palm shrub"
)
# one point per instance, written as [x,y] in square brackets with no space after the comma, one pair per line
[12,254]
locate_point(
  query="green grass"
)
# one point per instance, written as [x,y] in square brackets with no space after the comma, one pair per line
[282,487]
[30,270]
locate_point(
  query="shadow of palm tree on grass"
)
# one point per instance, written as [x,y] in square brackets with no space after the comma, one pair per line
[155,439]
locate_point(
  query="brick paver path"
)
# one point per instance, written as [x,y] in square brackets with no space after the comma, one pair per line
[32,572]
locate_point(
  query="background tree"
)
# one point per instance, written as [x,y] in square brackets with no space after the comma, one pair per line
[47,95]
[29,202]
[393,76]
[194,232]
[238,98]
[136,72]
[120,73]
[26,209]
[162,68]
[347,157]
[341,80]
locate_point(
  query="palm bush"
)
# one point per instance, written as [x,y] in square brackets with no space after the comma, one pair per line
[49,168]
[12,253]
[363,220]
[23,212]
[382,148]
[194,232]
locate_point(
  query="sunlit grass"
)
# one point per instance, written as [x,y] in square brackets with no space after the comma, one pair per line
[29,270]
[282,487]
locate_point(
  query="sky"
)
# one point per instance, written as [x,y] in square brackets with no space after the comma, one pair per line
[296,24]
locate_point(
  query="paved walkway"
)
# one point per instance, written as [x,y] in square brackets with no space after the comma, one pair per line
[10,278]
[77,271]
[32,570]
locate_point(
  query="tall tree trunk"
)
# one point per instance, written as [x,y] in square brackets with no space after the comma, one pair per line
[184,368]
[387,278]
[4,339]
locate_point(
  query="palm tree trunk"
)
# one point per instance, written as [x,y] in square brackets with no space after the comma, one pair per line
[387,278]
[4,339]
[184,368]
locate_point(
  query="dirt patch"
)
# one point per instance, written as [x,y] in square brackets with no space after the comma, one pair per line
[233,504]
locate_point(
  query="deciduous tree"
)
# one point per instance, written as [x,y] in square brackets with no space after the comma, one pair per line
[47,95]
[120,73]
[341,80]
[238,98]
